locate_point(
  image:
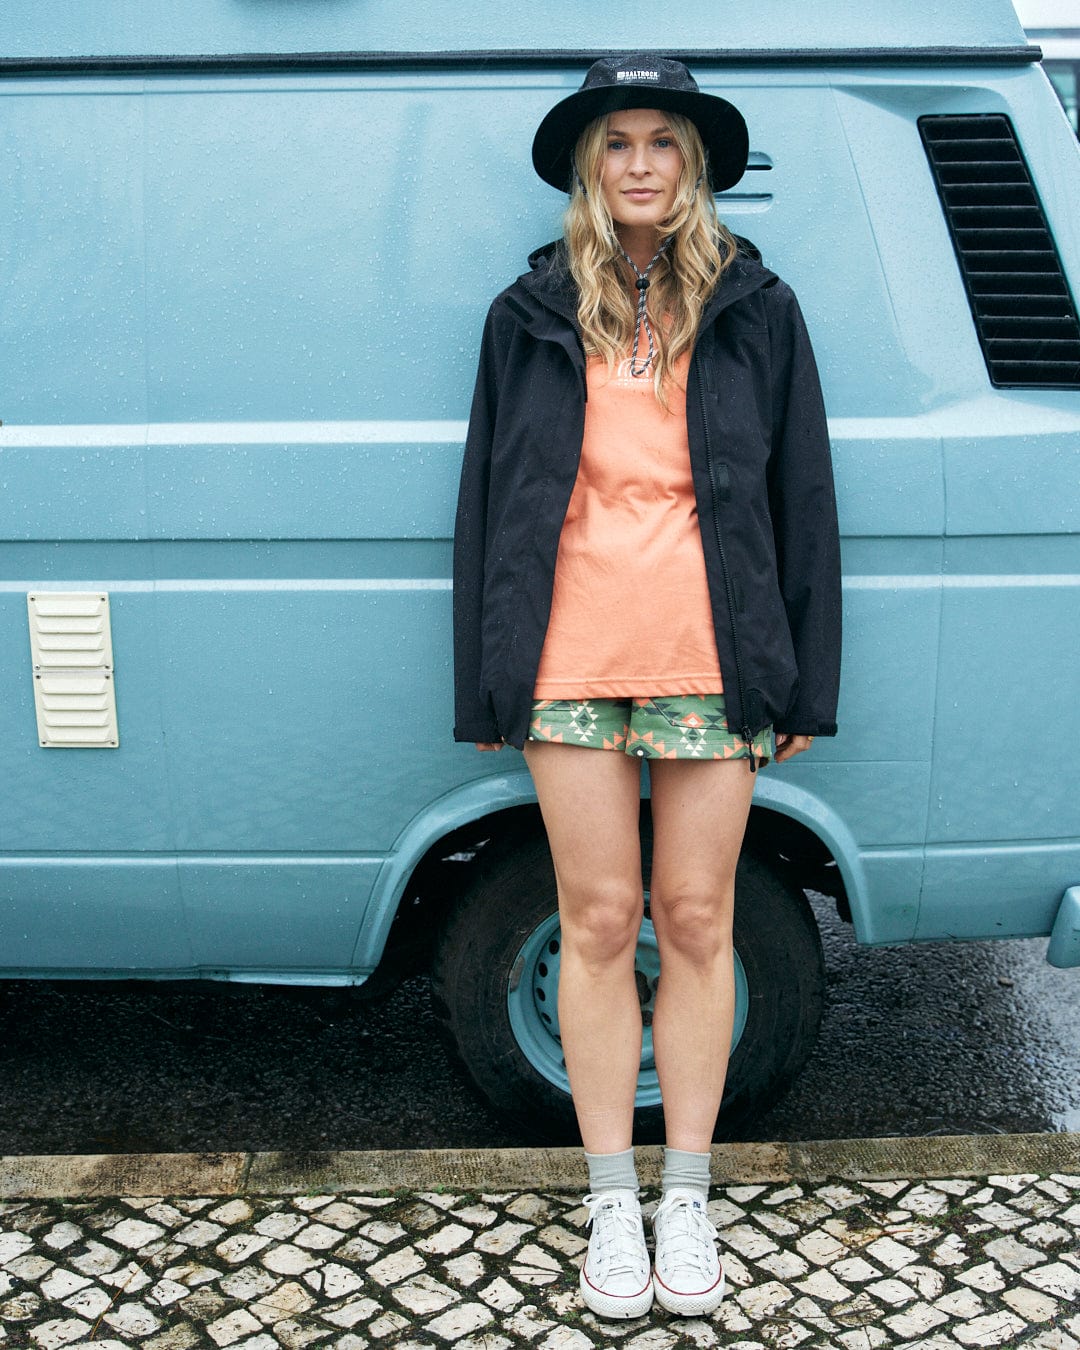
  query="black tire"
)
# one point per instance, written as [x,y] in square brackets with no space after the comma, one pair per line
[776,940]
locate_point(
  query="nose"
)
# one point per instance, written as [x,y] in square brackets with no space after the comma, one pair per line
[639,161]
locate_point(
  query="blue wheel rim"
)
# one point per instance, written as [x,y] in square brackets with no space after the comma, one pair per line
[532,1001]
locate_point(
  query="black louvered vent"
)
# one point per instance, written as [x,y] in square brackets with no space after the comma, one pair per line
[1016,287]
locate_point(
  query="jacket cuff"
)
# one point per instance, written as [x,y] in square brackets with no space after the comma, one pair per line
[804,726]
[473,732]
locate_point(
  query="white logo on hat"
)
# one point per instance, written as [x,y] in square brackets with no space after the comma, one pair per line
[637,74]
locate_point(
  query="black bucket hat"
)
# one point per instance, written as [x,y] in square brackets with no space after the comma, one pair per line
[642,81]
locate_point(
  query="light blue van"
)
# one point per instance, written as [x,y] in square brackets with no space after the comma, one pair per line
[246,250]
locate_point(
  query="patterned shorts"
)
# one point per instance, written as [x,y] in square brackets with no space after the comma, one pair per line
[680,726]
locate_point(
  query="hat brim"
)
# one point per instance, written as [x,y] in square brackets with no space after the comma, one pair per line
[720,124]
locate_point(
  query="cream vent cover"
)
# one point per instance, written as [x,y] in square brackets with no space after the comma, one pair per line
[71,647]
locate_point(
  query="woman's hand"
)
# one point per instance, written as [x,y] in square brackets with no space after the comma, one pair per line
[788,745]
[490,745]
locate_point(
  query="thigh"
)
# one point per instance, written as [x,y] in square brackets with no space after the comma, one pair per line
[590,801]
[699,812]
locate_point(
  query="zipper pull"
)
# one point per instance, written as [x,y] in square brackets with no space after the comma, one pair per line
[750,746]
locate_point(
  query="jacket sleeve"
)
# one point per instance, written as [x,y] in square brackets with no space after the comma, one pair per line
[474,716]
[802,501]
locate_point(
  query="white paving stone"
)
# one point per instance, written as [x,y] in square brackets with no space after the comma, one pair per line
[821,1248]
[232,1211]
[566,1338]
[466,1269]
[927,1282]
[14,1244]
[132,1319]
[134,1233]
[888,1252]
[995,1329]
[333,1280]
[916,1320]
[165,1292]
[1058,1279]
[240,1246]
[422,1295]
[232,1327]
[962,1303]
[359,1310]
[58,1331]
[286,1259]
[60,1236]
[984,1276]
[500,1295]
[894,1292]
[318,1237]
[762,1300]
[340,1214]
[749,1241]
[397,1266]
[89,1303]
[446,1239]
[280,1225]
[459,1321]
[503,1238]
[1013,1256]
[199,1233]
[1031,1306]
[59,1283]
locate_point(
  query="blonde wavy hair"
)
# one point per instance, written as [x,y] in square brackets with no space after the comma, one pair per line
[683,278]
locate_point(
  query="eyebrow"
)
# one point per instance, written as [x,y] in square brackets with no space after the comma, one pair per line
[656,131]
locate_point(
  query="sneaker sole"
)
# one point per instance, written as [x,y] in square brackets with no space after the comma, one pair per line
[689,1305]
[613,1305]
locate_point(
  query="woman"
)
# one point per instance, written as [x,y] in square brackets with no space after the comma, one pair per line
[646,567]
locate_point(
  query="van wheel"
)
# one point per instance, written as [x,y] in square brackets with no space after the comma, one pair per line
[495,984]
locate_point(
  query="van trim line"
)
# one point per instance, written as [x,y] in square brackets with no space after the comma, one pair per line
[213,63]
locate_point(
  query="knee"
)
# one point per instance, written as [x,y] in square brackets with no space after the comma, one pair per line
[602,926]
[693,923]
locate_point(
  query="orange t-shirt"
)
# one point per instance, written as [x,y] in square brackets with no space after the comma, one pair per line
[630,612]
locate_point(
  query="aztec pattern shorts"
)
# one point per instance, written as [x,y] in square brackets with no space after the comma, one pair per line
[678,726]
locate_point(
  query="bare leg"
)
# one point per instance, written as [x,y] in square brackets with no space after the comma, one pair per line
[699,810]
[590,801]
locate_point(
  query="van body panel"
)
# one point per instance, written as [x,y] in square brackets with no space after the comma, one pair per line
[238,353]
[64,27]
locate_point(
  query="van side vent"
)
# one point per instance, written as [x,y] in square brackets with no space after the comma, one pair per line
[1019,298]
[71,650]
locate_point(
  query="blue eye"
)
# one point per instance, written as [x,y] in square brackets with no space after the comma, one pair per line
[616,145]
[664,144]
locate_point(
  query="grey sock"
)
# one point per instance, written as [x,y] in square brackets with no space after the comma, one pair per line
[689,1171]
[612,1171]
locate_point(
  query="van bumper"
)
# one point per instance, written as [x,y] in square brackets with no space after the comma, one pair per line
[1064,948]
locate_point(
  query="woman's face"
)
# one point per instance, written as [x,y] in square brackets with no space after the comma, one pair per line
[641,167]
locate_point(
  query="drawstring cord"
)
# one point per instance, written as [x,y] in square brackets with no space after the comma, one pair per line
[637,369]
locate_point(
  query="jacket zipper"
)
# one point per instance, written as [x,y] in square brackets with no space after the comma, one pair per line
[744,731]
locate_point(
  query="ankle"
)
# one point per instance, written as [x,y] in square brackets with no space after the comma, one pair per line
[612,1172]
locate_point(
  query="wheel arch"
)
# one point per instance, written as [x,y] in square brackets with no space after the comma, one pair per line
[788,824]
[499,803]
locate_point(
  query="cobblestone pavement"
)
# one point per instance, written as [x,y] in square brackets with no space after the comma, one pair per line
[924,1265]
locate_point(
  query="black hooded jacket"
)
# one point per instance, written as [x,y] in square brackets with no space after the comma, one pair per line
[759,455]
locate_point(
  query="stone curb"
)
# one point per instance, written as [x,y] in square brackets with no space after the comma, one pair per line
[211,1174]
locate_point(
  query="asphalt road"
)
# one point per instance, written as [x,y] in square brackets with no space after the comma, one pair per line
[947,1039]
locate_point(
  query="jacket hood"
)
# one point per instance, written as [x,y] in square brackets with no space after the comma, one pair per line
[550,281]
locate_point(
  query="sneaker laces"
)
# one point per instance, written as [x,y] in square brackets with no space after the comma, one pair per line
[688,1231]
[617,1236]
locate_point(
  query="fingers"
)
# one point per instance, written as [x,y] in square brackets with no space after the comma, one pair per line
[788,745]
[489,745]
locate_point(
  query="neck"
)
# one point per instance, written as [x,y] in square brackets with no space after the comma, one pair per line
[640,242]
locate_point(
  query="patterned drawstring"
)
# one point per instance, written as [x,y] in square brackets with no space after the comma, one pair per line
[642,285]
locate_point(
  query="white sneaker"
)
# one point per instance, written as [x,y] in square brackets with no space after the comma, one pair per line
[616,1280]
[688,1277]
